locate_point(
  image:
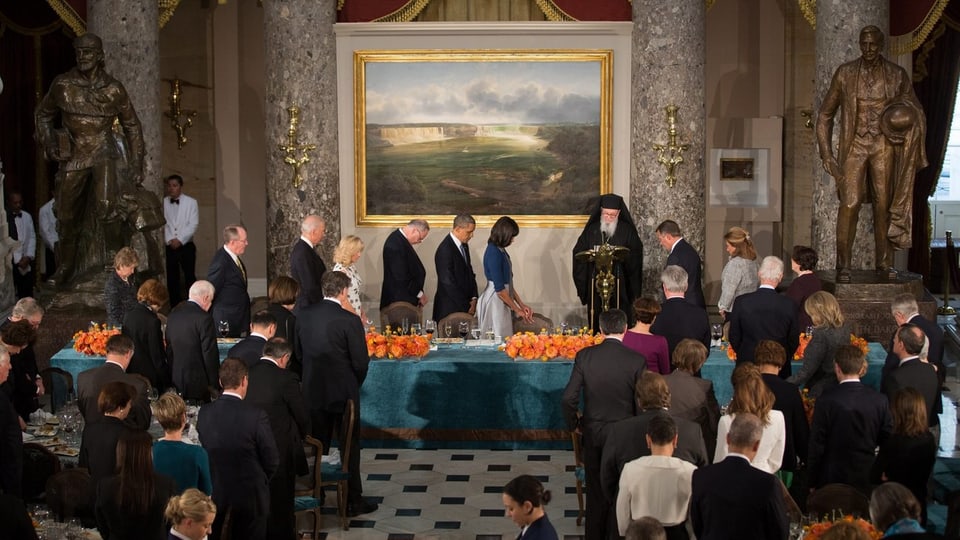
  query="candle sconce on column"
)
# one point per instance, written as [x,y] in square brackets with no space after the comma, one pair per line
[180,119]
[670,155]
[293,146]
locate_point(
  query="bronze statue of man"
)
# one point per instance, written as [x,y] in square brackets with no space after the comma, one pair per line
[882,128]
[96,160]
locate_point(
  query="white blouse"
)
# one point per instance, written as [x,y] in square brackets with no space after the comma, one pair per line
[770,454]
[353,293]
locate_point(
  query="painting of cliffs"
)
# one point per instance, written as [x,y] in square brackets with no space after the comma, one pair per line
[522,138]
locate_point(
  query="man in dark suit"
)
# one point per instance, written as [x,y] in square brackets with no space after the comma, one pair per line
[733,499]
[456,281]
[243,457]
[605,375]
[764,314]
[263,325]
[277,391]
[229,278]
[678,318]
[770,356]
[335,362]
[683,255]
[91,381]
[905,310]
[911,372]
[192,345]
[403,273]
[306,266]
[11,438]
[17,333]
[849,422]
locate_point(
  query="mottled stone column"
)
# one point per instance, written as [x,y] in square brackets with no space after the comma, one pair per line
[838,34]
[668,69]
[301,71]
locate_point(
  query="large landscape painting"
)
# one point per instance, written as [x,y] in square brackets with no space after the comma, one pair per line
[519,133]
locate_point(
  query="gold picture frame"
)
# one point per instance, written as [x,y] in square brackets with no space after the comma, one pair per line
[524,133]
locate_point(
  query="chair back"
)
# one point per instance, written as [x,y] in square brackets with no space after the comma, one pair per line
[70,494]
[454,320]
[540,322]
[394,314]
[308,485]
[39,464]
[58,383]
[842,498]
[346,434]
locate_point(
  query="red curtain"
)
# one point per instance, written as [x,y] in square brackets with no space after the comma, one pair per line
[907,15]
[581,10]
[369,10]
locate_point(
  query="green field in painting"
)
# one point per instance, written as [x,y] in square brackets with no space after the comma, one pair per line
[511,173]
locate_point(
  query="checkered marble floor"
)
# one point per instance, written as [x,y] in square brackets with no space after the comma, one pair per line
[453,494]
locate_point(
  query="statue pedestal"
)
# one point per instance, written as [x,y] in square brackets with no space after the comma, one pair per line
[865,300]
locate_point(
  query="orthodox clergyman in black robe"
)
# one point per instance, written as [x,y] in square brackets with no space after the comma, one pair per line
[610,221]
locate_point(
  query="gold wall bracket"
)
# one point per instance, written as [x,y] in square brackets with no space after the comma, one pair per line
[180,119]
[293,146]
[670,155]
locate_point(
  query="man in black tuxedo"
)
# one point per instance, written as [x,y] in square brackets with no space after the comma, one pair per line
[403,273]
[911,372]
[229,278]
[335,362]
[243,457]
[770,356]
[849,422]
[263,325]
[679,319]
[905,309]
[683,255]
[91,381]
[456,281]
[605,375]
[733,499]
[192,345]
[764,314]
[277,391]
[306,266]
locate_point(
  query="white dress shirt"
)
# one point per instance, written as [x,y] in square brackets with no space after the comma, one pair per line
[27,237]
[182,219]
[48,225]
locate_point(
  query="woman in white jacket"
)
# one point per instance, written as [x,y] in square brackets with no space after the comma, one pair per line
[751,395]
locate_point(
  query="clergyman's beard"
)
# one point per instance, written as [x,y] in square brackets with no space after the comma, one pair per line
[608,229]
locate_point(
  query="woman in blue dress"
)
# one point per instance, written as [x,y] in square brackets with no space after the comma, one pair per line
[524,499]
[500,299]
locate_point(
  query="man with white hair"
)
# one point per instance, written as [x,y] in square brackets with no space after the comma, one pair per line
[764,314]
[904,309]
[192,345]
[306,266]
[25,385]
[678,318]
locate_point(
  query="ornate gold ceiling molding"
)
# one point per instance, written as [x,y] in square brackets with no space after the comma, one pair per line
[79,26]
[407,13]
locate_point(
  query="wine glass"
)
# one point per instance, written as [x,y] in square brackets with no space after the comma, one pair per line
[464,329]
[475,333]
[405,326]
[563,328]
[415,329]
[716,331]
[810,331]
[430,327]
[224,328]
[447,330]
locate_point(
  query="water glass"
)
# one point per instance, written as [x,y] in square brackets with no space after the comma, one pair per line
[415,329]
[716,332]
[223,327]
[475,333]
[447,330]
[405,326]
[430,326]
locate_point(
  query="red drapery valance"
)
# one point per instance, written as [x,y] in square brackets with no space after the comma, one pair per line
[406,10]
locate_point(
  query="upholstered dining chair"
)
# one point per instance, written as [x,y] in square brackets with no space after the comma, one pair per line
[578,471]
[454,320]
[394,314]
[70,494]
[842,498]
[58,384]
[338,476]
[39,464]
[308,495]
[540,322]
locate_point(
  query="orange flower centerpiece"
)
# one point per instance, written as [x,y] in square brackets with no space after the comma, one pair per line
[543,346]
[93,341]
[816,531]
[860,342]
[393,346]
[805,339]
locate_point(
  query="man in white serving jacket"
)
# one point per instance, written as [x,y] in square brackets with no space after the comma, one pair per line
[182,218]
[48,232]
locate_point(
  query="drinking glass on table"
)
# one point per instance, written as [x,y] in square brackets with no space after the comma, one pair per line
[223,327]
[475,333]
[464,329]
[430,326]
[405,326]
[447,330]
[716,331]
[415,329]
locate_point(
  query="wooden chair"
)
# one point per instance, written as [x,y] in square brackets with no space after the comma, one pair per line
[454,320]
[842,498]
[578,471]
[58,384]
[71,494]
[394,314]
[39,464]
[307,492]
[339,476]
[540,322]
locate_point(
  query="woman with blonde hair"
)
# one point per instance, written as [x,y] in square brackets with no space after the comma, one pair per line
[739,275]
[345,257]
[751,395]
[830,331]
[186,463]
[191,515]
[120,289]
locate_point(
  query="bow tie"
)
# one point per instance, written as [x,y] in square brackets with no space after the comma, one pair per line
[174,201]
[17,214]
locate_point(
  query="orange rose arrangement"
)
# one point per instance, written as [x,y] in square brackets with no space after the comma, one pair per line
[804,339]
[816,531]
[731,354]
[860,342]
[93,341]
[543,347]
[396,346]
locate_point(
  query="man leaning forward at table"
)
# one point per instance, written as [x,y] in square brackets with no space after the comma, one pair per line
[335,362]
[606,375]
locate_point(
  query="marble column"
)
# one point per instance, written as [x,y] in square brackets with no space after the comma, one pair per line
[668,69]
[837,41]
[301,71]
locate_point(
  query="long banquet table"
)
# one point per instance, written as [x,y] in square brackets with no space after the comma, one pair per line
[474,397]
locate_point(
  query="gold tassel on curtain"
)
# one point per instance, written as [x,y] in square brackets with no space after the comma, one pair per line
[554,13]
[406,13]
[897,45]
[79,26]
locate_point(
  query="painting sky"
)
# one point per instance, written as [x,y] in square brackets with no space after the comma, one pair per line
[482,92]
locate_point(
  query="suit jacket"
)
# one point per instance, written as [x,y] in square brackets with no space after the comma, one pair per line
[112,522]
[849,422]
[16,521]
[934,354]
[605,374]
[684,256]
[678,320]
[98,446]
[456,281]
[787,400]
[21,385]
[626,441]
[231,301]
[403,273]
[287,329]
[307,268]
[734,500]
[335,358]
[799,290]
[277,392]
[91,381]
[192,351]
[142,325]
[540,529]
[11,449]
[693,398]
[763,314]
[248,349]
[921,376]
[243,454]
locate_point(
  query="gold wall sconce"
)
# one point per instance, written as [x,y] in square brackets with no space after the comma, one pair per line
[670,155]
[293,145]
[180,119]
[808,114]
